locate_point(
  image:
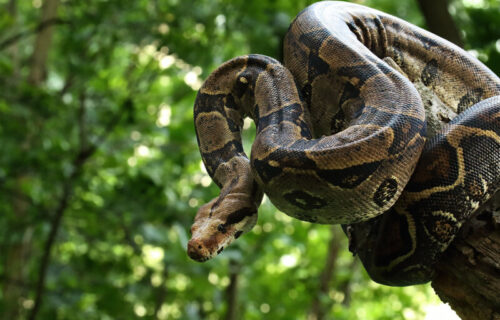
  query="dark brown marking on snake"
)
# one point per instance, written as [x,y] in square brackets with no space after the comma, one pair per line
[238,215]
[393,238]
[256,192]
[430,72]
[409,127]
[338,122]
[398,55]
[215,158]
[307,217]
[222,195]
[305,92]
[470,98]
[245,81]
[314,39]
[292,113]
[304,200]
[385,192]
[437,167]
[349,92]
[427,42]
[230,102]
[361,72]
[479,184]
[349,177]
[266,171]
[207,102]
[238,234]
[317,66]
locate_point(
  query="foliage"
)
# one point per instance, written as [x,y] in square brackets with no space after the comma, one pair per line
[108,140]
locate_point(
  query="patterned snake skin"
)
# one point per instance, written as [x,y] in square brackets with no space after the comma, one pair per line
[341,138]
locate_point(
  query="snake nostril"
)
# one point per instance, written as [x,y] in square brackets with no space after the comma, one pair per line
[196,252]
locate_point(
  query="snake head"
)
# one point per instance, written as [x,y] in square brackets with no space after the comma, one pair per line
[219,222]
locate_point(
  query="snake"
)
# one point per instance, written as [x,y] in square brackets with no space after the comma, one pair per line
[342,138]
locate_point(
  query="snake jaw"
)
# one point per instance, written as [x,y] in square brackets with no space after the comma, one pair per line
[218,223]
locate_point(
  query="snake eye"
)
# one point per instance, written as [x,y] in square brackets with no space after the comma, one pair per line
[221,228]
[242,84]
[243,80]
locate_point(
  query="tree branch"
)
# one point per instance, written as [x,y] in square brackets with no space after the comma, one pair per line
[84,154]
[23,34]
[468,275]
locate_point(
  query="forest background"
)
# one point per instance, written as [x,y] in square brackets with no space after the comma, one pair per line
[100,175]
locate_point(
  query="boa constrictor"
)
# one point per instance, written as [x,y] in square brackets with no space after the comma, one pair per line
[340,130]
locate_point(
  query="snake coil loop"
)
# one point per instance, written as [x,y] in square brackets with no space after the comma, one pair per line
[341,138]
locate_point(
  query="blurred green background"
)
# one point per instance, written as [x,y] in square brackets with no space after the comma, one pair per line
[100,175]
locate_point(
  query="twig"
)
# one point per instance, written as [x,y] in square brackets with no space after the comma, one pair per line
[40,27]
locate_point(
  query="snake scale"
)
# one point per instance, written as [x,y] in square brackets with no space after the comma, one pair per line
[341,138]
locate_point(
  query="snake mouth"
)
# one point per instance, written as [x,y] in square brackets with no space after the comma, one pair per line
[200,251]
[197,251]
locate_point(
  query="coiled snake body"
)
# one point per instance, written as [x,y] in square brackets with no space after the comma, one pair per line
[340,129]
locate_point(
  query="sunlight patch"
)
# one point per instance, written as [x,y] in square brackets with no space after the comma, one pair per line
[192,78]
[140,310]
[153,256]
[288,260]
[143,151]
[132,161]
[166,61]
[440,312]
[164,116]
[474,3]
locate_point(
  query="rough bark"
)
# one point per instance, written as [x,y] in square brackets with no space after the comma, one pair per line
[468,276]
[439,20]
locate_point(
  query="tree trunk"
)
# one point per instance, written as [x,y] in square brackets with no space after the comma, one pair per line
[232,291]
[16,255]
[439,20]
[468,275]
[318,308]
[42,44]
